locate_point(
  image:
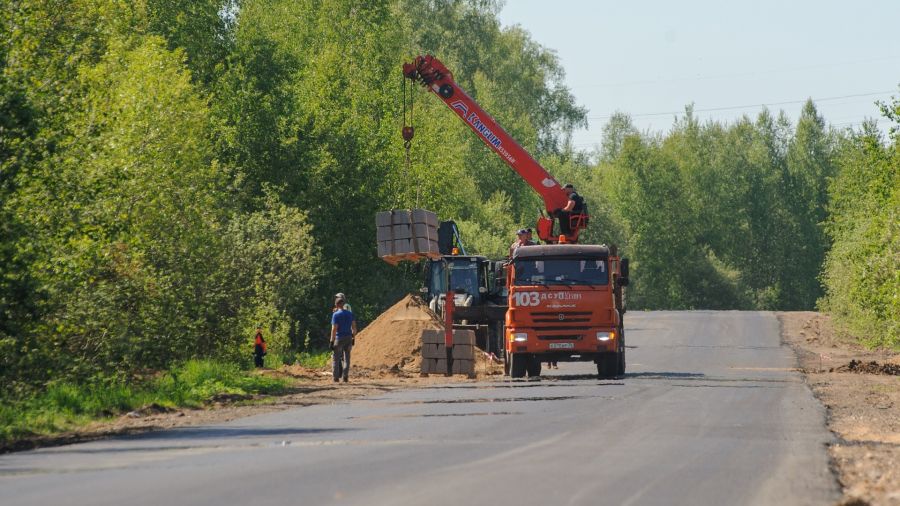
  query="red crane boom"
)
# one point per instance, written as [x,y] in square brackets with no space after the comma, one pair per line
[431,73]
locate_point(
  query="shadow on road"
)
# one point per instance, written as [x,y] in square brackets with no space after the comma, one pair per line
[153,440]
[229,432]
[664,375]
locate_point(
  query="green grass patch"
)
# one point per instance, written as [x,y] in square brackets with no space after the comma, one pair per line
[65,406]
[316,359]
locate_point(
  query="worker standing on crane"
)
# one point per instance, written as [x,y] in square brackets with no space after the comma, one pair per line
[574,207]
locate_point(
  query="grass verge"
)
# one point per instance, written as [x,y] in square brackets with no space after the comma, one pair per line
[65,406]
[314,359]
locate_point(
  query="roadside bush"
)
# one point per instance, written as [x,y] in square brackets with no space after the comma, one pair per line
[861,270]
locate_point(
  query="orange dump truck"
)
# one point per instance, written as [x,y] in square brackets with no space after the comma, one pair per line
[566,303]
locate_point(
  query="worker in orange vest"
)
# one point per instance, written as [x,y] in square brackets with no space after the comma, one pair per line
[259,348]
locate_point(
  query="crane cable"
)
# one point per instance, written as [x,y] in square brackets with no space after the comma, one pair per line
[408,132]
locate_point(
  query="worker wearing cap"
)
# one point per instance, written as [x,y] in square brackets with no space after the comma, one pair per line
[340,295]
[522,239]
[343,330]
[574,206]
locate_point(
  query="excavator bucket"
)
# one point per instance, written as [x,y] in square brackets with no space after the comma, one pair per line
[407,235]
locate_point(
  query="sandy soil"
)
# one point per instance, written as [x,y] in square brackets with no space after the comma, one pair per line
[861,390]
[392,340]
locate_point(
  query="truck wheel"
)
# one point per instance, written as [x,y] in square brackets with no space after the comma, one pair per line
[517,364]
[607,365]
[506,361]
[534,366]
[621,353]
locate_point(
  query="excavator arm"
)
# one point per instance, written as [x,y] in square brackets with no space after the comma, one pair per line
[431,73]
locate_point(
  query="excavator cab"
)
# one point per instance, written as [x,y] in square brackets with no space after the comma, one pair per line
[468,276]
[480,299]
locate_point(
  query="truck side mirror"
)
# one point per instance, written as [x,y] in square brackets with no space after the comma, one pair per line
[623,274]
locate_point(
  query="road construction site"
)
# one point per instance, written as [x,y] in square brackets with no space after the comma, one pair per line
[709,394]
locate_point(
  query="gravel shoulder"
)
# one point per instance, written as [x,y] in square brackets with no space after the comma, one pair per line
[861,390]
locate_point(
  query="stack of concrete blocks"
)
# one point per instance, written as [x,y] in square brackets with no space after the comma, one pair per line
[434,352]
[407,234]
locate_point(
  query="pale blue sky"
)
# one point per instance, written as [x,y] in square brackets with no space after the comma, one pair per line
[649,57]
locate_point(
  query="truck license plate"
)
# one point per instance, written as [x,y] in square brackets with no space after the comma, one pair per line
[556,346]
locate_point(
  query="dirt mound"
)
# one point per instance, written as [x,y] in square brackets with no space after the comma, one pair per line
[392,340]
[872,367]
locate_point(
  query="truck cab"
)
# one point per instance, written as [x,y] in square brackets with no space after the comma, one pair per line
[566,303]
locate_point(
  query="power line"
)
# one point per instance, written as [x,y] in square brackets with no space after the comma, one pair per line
[750,106]
[738,74]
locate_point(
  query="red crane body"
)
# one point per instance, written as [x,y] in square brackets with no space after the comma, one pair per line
[430,72]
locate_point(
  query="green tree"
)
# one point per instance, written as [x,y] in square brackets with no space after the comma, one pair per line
[861,269]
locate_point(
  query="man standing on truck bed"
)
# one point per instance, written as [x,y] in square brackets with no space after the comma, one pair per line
[523,238]
[574,207]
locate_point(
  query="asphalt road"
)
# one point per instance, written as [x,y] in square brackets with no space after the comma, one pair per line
[710,412]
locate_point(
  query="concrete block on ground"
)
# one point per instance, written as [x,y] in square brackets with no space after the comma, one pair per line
[463,352]
[430,366]
[439,366]
[430,350]
[466,367]
[432,337]
[466,337]
[439,351]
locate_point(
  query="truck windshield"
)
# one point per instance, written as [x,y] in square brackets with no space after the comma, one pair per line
[463,277]
[530,272]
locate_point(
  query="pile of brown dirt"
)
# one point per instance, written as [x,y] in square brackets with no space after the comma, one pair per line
[392,340]
[871,367]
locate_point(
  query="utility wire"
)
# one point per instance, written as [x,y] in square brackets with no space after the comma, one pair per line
[750,106]
[739,74]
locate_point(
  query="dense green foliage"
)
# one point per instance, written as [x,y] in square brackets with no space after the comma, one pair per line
[176,172]
[722,216]
[173,173]
[862,270]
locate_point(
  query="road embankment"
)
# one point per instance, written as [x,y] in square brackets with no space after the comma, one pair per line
[861,390]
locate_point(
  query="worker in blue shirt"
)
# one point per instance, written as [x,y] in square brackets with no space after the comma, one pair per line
[343,328]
